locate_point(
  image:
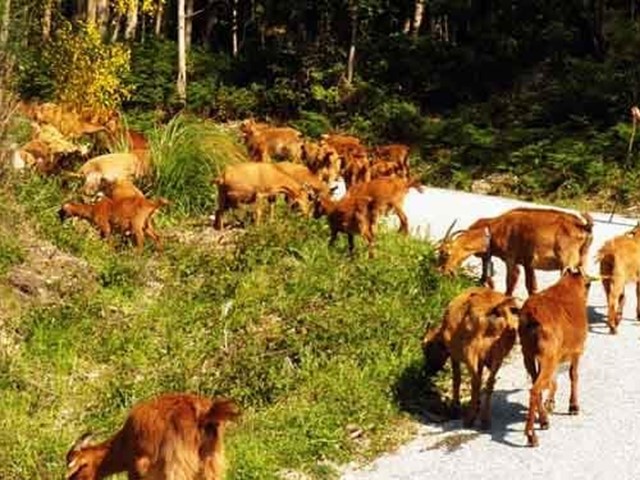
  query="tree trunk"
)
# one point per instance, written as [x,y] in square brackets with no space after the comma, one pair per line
[102,16]
[352,46]
[4,26]
[181,83]
[157,28]
[188,24]
[418,15]
[132,20]
[115,32]
[598,23]
[91,11]
[234,28]
[47,12]
[80,10]
[406,27]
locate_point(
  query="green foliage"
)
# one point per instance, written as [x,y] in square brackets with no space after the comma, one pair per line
[397,120]
[86,72]
[188,154]
[312,124]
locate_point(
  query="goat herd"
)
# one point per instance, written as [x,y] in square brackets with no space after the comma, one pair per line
[181,435]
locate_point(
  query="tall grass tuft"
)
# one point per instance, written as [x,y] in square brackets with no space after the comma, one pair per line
[188,154]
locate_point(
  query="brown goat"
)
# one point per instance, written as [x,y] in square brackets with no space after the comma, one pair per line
[265,142]
[619,264]
[388,193]
[390,159]
[251,182]
[170,437]
[322,159]
[553,329]
[126,215]
[479,330]
[354,157]
[352,215]
[303,176]
[534,238]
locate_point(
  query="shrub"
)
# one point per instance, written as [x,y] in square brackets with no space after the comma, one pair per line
[187,155]
[87,73]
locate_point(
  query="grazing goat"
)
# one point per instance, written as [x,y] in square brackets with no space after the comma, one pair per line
[534,238]
[127,215]
[265,142]
[304,176]
[553,329]
[388,193]
[352,215]
[478,329]
[111,167]
[251,182]
[169,437]
[619,264]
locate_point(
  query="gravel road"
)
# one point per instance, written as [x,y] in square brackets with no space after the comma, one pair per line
[603,442]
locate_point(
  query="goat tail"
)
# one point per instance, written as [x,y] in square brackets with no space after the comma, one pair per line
[588,221]
[435,351]
[414,182]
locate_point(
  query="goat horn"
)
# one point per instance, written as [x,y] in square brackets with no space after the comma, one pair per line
[448,232]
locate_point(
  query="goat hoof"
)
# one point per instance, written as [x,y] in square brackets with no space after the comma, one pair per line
[544,424]
[574,409]
[549,405]
[532,440]
[613,330]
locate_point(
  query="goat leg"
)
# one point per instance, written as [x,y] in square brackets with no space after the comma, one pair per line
[457,380]
[574,408]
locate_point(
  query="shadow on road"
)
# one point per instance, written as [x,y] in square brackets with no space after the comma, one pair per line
[418,395]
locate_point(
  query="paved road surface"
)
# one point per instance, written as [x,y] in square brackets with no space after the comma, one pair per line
[603,442]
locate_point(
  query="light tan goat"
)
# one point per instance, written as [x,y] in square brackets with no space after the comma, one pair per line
[169,437]
[251,183]
[620,264]
[552,330]
[478,329]
[111,167]
[545,239]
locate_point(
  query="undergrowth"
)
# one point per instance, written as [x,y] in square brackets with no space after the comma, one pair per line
[311,343]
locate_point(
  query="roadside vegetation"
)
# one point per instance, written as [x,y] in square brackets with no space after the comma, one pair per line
[318,348]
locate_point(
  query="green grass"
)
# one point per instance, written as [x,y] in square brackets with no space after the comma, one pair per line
[188,154]
[310,342]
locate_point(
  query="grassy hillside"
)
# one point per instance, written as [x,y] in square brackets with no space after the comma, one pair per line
[321,351]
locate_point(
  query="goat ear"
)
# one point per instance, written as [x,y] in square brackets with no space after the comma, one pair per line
[223,410]
[82,442]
